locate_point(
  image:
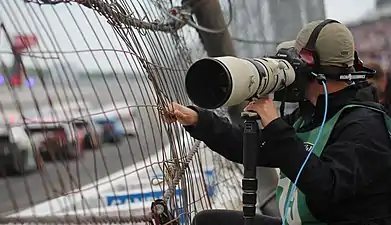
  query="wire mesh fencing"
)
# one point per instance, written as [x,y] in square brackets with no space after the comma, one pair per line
[81,139]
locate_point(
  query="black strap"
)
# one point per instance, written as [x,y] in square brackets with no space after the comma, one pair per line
[315,34]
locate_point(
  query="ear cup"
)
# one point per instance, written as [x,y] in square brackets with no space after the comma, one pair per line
[307,56]
[358,63]
[308,60]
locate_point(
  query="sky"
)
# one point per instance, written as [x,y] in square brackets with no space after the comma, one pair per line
[348,10]
[82,30]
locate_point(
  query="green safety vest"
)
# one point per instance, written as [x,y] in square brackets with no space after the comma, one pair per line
[298,212]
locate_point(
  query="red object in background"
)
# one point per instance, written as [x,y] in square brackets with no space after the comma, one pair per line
[80,134]
[16,80]
[21,42]
[54,140]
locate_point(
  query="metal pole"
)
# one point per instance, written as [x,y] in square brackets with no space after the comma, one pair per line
[251,147]
[209,14]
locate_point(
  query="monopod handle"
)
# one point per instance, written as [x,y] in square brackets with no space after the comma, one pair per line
[250,115]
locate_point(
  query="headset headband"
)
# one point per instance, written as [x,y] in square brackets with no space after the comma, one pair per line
[311,43]
[310,51]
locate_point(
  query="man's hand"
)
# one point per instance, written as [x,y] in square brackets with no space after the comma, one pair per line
[184,115]
[265,108]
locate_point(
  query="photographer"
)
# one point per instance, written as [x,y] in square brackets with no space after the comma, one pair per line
[382,83]
[345,180]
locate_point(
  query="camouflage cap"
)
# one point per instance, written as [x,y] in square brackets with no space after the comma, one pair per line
[334,45]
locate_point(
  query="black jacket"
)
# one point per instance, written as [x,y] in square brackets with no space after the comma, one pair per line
[387,97]
[350,182]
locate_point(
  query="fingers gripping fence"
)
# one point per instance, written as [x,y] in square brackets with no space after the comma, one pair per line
[122,21]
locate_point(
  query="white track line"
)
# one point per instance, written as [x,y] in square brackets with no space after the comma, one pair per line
[103,185]
[55,205]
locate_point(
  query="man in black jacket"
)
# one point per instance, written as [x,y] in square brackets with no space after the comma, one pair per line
[346,179]
[383,85]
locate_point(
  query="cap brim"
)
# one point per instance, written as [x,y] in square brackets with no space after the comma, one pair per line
[286,44]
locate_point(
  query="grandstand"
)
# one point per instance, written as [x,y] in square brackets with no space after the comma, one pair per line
[372,34]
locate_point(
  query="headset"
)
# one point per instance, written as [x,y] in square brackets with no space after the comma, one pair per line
[307,66]
[310,57]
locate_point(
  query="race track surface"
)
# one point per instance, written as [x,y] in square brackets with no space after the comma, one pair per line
[22,192]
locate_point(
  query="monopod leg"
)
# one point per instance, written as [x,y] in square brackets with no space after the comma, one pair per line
[251,147]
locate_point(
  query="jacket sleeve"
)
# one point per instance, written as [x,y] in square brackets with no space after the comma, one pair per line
[218,134]
[345,166]
[221,136]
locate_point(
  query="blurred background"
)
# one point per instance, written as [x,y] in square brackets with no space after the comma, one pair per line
[64,55]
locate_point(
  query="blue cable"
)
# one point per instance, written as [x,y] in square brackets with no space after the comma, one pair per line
[309,154]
